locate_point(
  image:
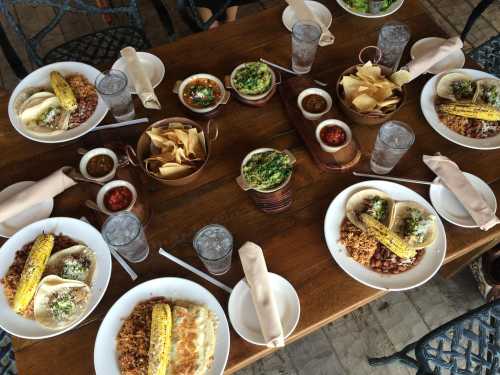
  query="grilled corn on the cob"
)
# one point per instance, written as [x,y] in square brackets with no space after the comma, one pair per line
[32,271]
[63,91]
[160,339]
[477,111]
[387,237]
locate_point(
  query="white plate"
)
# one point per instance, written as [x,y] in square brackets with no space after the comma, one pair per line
[34,213]
[40,78]
[244,318]
[450,209]
[455,60]
[418,275]
[105,356]
[153,66]
[322,12]
[427,99]
[393,8]
[79,231]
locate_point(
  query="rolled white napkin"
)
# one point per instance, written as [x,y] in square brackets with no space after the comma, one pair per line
[454,180]
[303,13]
[257,277]
[141,82]
[422,64]
[42,190]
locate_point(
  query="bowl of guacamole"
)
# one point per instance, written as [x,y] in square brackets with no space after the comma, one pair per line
[361,8]
[253,80]
[266,169]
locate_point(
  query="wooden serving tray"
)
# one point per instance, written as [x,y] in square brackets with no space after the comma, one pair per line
[342,160]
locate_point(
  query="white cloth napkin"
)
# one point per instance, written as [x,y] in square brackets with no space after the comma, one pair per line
[257,277]
[303,13]
[42,190]
[422,64]
[142,84]
[454,180]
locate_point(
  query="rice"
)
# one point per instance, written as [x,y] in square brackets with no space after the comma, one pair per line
[360,245]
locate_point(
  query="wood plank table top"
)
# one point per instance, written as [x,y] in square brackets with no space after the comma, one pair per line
[293,241]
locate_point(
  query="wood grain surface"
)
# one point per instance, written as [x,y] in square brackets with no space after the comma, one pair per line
[293,240]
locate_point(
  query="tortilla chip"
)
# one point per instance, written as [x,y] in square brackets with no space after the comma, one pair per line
[364,103]
[350,85]
[195,149]
[175,170]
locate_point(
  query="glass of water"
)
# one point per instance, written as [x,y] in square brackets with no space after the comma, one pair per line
[214,246]
[393,140]
[392,40]
[123,232]
[305,38]
[112,85]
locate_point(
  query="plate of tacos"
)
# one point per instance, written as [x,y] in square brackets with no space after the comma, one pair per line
[57,103]
[463,105]
[53,273]
[385,235]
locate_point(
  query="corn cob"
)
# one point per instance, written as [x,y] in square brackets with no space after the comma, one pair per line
[477,111]
[387,237]
[32,271]
[160,339]
[63,91]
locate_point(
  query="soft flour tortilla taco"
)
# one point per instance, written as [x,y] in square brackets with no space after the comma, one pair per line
[74,263]
[414,224]
[456,87]
[488,92]
[374,202]
[60,302]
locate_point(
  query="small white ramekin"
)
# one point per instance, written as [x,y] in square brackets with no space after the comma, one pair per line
[338,123]
[314,90]
[94,152]
[110,185]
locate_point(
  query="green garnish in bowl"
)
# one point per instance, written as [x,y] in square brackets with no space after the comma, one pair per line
[253,78]
[267,170]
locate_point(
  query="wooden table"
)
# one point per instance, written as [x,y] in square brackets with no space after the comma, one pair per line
[293,241]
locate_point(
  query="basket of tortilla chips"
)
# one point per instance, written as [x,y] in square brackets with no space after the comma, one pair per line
[367,95]
[173,151]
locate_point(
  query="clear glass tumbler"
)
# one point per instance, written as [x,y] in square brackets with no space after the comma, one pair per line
[123,232]
[305,38]
[392,40]
[214,245]
[112,85]
[393,140]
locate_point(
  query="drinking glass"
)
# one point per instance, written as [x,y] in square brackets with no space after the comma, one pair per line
[214,245]
[393,140]
[112,85]
[123,232]
[392,40]
[305,37]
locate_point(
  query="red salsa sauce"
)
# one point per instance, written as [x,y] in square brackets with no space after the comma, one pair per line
[333,135]
[118,198]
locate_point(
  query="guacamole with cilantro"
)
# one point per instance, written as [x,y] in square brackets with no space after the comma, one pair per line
[253,78]
[267,170]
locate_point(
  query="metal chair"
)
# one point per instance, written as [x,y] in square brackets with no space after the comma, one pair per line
[95,48]
[467,345]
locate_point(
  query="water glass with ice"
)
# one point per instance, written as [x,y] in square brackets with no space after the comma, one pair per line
[123,232]
[214,245]
[392,40]
[112,85]
[393,140]
[305,38]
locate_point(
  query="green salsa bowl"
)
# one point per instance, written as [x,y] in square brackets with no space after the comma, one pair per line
[253,80]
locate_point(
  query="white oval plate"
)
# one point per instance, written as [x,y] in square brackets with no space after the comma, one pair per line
[455,60]
[40,78]
[105,357]
[244,318]
[418,275]
[427,99]
[322,12]
[79,231]
[34,213]
[153,66]
[393,8]
[450,209]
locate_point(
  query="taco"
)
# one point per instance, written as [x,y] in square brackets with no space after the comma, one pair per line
[488,92]
[59,302]
[414,224]
[456,87]
[374,202]
[74,263]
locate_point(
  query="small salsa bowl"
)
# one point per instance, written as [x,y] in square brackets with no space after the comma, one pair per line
[222,99]
[95,152]
[101,194]
[314,91]
[332,149]
[252,97]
